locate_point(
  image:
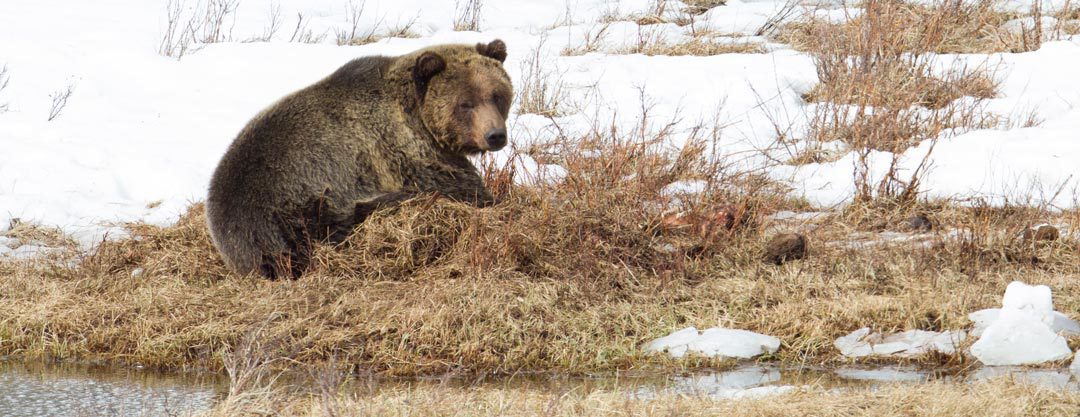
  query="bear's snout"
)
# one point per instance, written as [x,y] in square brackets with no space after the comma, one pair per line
[496,139]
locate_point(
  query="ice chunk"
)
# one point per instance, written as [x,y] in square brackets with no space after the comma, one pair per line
[862,343]
[1035,299]
[1061,323]
[1019,337]
[733,343]
[717,342]
[854,344]
[675,344]
[1047,378]
[1075,366]
[1025,331]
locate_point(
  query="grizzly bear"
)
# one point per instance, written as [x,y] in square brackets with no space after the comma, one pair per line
[377,131]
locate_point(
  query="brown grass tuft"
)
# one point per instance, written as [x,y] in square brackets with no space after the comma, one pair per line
[944,26]
[697,46]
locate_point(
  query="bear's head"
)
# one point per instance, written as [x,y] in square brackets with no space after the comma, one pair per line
[464,96]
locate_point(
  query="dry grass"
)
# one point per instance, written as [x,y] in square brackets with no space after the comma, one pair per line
[539,89]
[995,398]
[697,46]
[883,86]
[943,26]
[565,277]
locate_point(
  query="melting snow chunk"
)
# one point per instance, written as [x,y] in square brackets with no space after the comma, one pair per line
[1024,331]
[862,343]
[716,342]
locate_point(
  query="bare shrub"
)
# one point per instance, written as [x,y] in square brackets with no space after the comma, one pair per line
[179,31]
[273,27]
[592,41]
[696,46]
[59,101]
[404,30]
[211,24]
[655,14]
[881,88]
[787,10]
[540,89]
[302,34]
[698,7]
[352,35]
[5,78]
[218,20]
[943,26]
[467,15]
[250,367]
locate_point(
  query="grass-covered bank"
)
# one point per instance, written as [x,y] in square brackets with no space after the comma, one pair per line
[569,276]
[995,398]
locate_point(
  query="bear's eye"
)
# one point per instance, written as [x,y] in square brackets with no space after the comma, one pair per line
[466,105]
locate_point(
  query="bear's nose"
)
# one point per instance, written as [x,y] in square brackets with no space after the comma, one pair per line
[496,139]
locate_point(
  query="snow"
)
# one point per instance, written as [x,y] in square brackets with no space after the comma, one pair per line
[714,342]
[142,128]
[1023,333]
[863,342]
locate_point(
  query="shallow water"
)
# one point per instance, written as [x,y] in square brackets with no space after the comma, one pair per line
[757,380]
[91,391]
[32,389]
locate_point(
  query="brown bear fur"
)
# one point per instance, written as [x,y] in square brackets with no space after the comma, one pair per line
[377,131]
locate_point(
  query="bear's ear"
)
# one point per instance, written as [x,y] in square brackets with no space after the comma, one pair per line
[496,49]
[428,65]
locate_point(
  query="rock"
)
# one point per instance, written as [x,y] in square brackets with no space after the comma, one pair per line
[1023,331]
[1041,233]
[715,342]
[918,223]
[785,247]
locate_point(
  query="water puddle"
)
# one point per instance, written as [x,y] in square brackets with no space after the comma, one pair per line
[30,389]
[91,391]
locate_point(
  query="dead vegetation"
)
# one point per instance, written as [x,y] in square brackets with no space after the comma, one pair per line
[5,78]
[353,35]
[943,26]
[701,45]
[539,89]
[59,100]
[884,87]
[998,397]
[467,15]
[568,275]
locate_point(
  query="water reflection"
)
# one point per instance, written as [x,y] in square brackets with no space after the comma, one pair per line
[82,390]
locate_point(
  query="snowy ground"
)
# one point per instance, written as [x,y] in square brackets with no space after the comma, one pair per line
[141,132]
